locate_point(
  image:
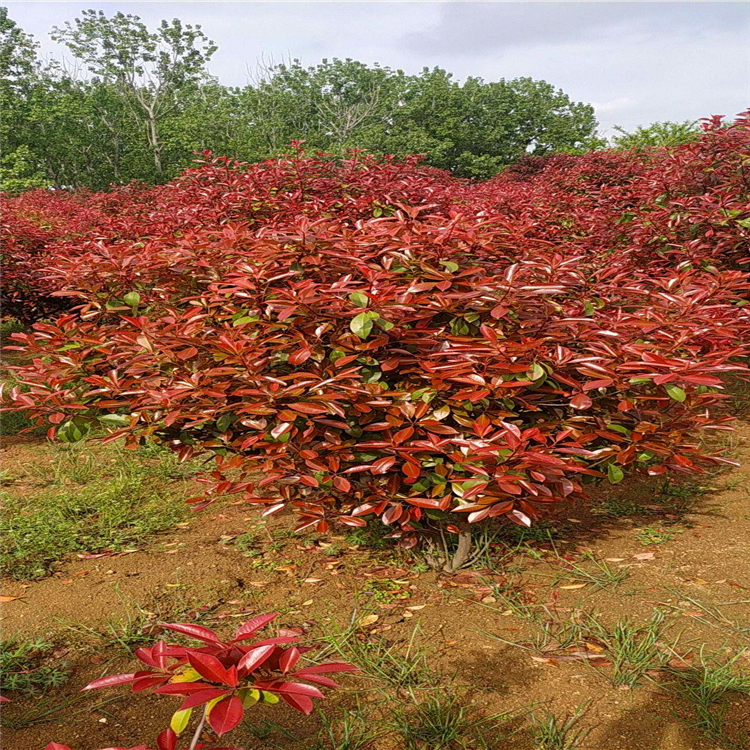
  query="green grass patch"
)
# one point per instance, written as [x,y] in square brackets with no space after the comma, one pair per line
[709,686]
[552,732]
[85,500]
[28,667]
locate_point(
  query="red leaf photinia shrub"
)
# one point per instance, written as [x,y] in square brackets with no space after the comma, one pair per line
[372,339]
[224,678]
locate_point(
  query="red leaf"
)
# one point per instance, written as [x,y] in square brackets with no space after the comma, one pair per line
[167,740]
[251,627]
[208,667]
[254,658]
[289,659]
[581,401]
[194,631]
[226,715]
[111,681]
[200,697]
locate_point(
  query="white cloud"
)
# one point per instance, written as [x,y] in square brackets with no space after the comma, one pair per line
[614,105]
[640,62]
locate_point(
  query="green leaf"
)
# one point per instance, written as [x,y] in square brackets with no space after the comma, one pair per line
[615,474]
[269,698]
[132,299]
[115,420]
[249,696]
[360,299]
[70,432]
[225,421]
[449,265]
[180,720]
[537,371]
[675,392]
[361,325]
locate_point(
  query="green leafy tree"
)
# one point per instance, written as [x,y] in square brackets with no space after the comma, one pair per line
[18,69]
[150,69]
[657,134]
[473,129]
[144,104]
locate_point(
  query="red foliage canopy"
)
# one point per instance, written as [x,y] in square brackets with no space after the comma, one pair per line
[380,339]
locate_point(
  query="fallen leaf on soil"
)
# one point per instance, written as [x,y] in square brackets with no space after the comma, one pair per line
[546,660]
[9,598]
[644,556]
[574,586]
[312,580]
[614,559]
[367,620]
[308,602]
[417,606]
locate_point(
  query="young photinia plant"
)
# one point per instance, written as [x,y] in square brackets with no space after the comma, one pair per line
[377,341]
[222,679]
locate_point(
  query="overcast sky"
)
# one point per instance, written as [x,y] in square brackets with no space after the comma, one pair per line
[636,62]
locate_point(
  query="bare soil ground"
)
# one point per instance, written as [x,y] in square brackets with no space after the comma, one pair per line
[495,637]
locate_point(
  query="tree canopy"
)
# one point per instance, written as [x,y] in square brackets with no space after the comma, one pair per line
[140,102]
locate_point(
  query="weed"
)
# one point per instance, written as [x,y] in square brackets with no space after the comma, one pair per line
[619,506]
[542,531]
[247,545]
[8,326]
[373,536]
[708,686]
[599,574]
[126,633]
[713,616]
[347,732]
[42,712]
[383,590]
[650,535]
[441,722]
[401,668]
[679,497]
[633,649]
[552,732]
[28,667]
[512,600]
[554,635]
[12,422]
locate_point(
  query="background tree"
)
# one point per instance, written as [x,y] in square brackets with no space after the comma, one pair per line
[657,134]
[140,103]
[150,69]
[18,71]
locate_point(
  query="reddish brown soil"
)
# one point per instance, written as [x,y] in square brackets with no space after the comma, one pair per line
[707,561]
